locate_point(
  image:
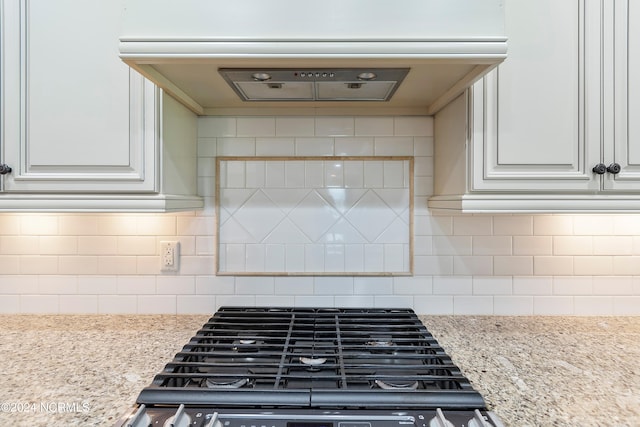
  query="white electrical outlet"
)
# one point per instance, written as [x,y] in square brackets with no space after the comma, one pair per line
[169,255]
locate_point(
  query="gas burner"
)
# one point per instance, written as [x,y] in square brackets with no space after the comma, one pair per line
[397,384]
[313,364]
[219,383]
[246,344]
[313,361]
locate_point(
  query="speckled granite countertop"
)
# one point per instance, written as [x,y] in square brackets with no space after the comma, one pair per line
[532,371]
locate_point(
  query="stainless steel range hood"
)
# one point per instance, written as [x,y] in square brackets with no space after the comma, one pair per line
[210,55]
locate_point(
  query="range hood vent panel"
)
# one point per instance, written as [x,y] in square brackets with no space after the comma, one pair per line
[318,84]
[447,45]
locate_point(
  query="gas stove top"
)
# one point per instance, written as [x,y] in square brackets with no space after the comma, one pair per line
[311,367]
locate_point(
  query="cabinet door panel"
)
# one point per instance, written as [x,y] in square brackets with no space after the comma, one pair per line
[622,127]
[83,121]
[534,127]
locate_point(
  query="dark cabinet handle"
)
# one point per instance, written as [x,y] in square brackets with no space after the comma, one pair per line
[614,168]
[600,169]
[4,169]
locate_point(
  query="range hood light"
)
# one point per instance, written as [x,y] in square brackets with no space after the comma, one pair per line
[367,76]
[354,85]
[261,77]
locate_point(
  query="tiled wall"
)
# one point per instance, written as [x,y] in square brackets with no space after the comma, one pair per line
[464,264]
[314,216]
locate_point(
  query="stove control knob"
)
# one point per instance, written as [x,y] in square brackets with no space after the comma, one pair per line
[439,420]
[180,419]
[478,420]
[214,421]
[139,419]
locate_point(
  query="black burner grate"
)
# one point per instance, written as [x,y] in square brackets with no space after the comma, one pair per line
[321,358]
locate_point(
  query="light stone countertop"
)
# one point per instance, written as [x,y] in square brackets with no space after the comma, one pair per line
[532,371]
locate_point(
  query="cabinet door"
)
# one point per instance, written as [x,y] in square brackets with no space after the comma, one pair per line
[76,119]
[622,65]
[535,119]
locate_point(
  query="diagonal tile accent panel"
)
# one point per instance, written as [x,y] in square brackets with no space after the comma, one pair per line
[319,226]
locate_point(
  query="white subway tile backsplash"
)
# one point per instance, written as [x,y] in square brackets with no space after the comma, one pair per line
[472,305]
[19,284]
[78,304]
[316,146]
[452,245]
[256,126]
[236,146]
[215,285]
[392,301]
[294,286]
[374,126]
[593,225]
[207,147]
[373,285]
[20,245]
[10,304]
[211,126]
[354,146]
[175,285]
[453,285]
[463,264]
[98,285]
[355,301]
[472,225]
[553,225]
[393,146]
[593,305]
[295,126]
[553,305]
[473,265]
[626,225]
[613,285]
[38,225]
[532,245]
[374,174]
[492,245]
[423,146]
[334,126]
[600,265]
[573,285]
[37,264]
[315,301]
[532,285]
[334,174]
[78,265]
[275,147]
[492,285]
[573,245]
[433,265]
[626,306]
[40,304]
[157,304]
[512,225]
[413,285]
[195,304]
[10,225]
[613,245]
[513,305]
[434,305]
[512,265]
[413,126]
[553,265]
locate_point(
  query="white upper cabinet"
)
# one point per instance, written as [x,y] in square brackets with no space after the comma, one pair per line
[622,106]
[561,104]
[80,129]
